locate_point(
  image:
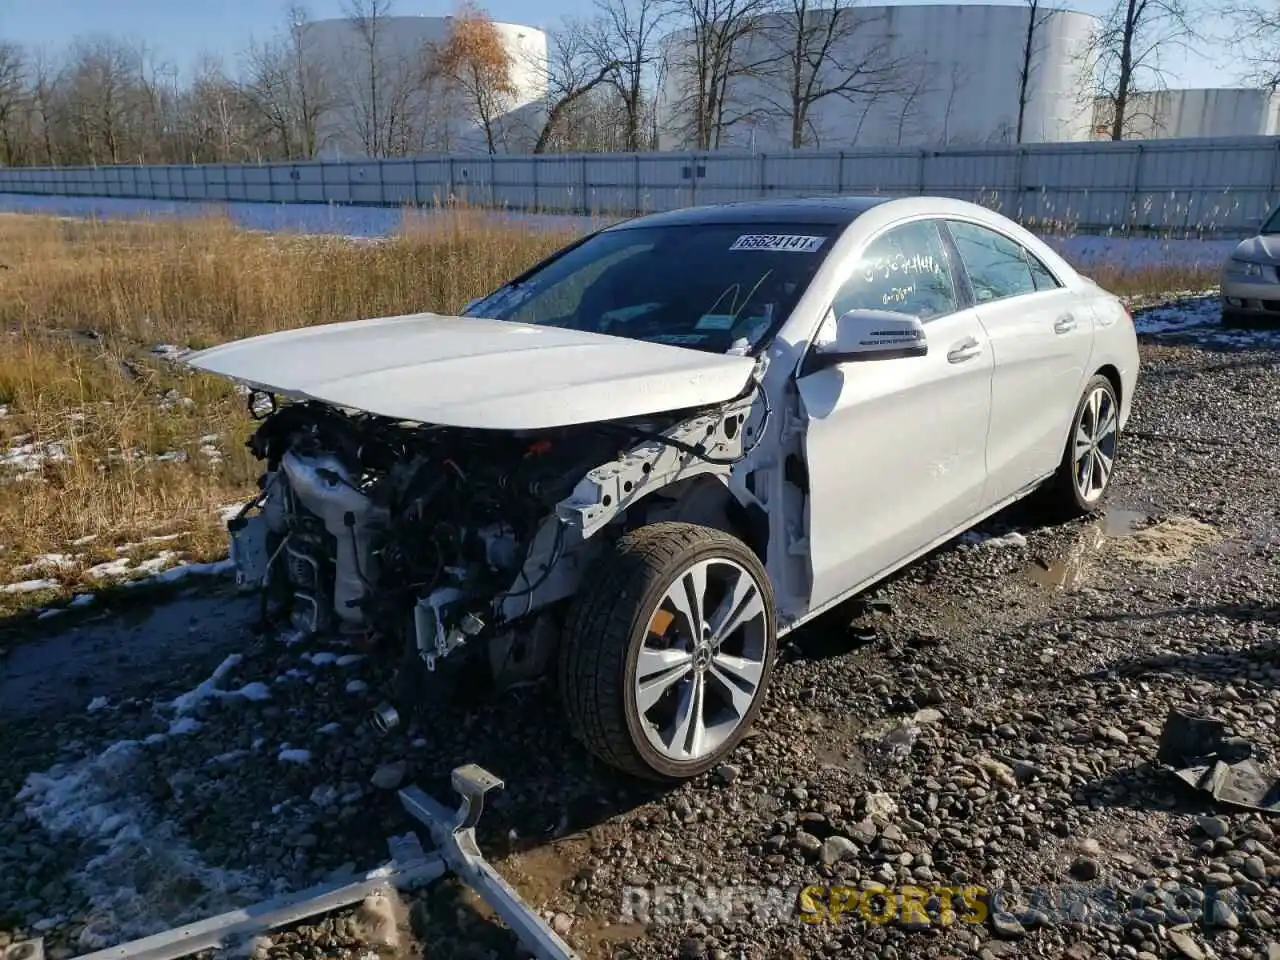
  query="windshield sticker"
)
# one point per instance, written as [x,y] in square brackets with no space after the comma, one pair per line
[622,314]
[716,321]
[788,244]
[676,338]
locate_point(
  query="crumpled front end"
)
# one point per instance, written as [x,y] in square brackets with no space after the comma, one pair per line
[454,548]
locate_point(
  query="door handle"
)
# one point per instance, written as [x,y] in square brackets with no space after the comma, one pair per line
[966,349]
[1064,324]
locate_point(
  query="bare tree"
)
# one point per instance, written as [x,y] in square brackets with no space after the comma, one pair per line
[101,99]
[309,81]
[572,71]
[211,118]
[158,92]
[288,86]
[366,77]
[1255,28]
[819,57]
[45,79]
[14,98]
[1038,16]
[1126,52]
[717,55]
[918,85]
[625,35]
[958,78]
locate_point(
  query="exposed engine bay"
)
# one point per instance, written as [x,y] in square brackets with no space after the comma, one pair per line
[429,538]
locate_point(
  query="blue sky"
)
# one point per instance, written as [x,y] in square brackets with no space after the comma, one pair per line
[180,29]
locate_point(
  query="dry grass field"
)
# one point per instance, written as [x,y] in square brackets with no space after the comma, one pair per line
[112,452]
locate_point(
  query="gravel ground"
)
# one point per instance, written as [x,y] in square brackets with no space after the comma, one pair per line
[988,720]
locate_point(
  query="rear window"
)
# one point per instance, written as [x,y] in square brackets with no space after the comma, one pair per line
[713,287]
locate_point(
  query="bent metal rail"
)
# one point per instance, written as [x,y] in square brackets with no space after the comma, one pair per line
[453,835]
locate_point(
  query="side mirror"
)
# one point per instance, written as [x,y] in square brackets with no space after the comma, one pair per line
[872,335]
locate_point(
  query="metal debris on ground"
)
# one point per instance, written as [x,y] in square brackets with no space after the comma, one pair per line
[453,834]
[1204,756]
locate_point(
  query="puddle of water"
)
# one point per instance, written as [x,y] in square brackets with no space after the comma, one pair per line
[1063,574]
[1067,571]
[1118,522]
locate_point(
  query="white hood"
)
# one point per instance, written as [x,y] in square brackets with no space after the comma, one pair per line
[471,372]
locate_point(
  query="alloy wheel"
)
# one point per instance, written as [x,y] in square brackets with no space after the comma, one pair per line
[700,667]
[1096,436]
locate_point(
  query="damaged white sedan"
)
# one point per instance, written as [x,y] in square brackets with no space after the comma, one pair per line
[643,461]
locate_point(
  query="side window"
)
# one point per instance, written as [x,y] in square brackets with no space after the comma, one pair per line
[904,269]
[1040,275]
[998,268]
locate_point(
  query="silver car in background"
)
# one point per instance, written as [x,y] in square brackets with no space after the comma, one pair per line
[1250,280]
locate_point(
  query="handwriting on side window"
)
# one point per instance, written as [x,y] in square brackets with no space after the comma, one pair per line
[900,263]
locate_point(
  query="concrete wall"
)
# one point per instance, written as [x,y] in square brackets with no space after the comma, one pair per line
[930,74]
[1221,112]
[392,104]
[1208,187]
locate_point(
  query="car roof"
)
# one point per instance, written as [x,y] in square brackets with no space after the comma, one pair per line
[836,211]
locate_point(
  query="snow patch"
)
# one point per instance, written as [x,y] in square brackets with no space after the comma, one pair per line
[168,351]
[217,568]
[140,875]
[29,586]
[48,561]
[96,704]
[183,726]
[256,691]
[112,568]
[27,458]
[292,755]
[978,539]
[186,702]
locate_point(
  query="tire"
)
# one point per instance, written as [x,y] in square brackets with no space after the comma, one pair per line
[611,623]
[1233,318]
[1064,494]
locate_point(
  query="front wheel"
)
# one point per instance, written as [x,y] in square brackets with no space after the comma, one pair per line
[1088,462]
[668,650]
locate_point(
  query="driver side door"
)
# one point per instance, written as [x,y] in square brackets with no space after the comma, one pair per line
[896,447]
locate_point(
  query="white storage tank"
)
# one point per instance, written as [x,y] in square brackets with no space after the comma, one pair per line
[1177,114]
[390,108]
[954,80]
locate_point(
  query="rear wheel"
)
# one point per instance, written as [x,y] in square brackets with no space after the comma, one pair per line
[1088,462]
[1233,318]
[668,650]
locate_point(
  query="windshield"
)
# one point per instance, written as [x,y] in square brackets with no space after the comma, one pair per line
[714,287]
